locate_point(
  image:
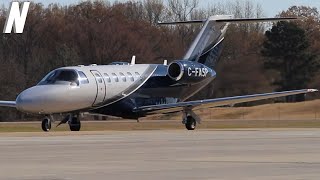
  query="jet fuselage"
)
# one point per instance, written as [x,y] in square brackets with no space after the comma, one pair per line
[109,89]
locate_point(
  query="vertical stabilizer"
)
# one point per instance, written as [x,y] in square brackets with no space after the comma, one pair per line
[207,47]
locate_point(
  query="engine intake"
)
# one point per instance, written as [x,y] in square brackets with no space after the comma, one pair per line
[189,72]
[175,71]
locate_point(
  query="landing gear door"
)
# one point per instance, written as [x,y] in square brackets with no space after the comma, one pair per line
[101,87]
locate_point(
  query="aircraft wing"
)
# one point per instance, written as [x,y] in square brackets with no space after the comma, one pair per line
[7,103]
[210,103]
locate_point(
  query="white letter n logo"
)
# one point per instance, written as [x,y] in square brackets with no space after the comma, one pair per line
[16,19]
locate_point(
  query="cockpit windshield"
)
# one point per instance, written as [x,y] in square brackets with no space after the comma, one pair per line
[61,76]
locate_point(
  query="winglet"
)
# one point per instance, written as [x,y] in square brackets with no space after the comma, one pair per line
[133,60]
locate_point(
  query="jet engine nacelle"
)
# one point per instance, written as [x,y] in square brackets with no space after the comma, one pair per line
[189,72]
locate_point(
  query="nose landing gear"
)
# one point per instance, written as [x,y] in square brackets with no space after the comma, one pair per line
[73,121]
[46,124]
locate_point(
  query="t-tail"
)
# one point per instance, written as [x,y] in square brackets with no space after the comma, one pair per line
[207,47]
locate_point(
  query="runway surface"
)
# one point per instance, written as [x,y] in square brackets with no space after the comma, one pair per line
[241,154]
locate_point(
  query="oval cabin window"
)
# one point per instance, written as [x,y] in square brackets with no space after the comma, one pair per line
[123,77]
[115,77]
[107,77]
[130,76]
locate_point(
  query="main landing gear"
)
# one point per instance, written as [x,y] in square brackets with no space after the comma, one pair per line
[73,121]
[75,124]
[190,123]
[190,119]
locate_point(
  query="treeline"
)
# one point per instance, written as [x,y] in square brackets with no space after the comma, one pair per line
[102,32]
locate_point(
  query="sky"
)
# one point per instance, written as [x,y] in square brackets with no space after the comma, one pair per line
[271,7]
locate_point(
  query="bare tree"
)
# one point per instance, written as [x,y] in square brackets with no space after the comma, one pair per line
[154,10]
[182,9]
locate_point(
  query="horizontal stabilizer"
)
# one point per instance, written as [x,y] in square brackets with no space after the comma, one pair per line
[183,22]
[255,20]
[228,20]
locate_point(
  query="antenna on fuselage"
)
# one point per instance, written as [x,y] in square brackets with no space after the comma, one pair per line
[165,62]
[133,60]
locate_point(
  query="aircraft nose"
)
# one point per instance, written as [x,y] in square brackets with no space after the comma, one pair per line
[49,99]
[29,101]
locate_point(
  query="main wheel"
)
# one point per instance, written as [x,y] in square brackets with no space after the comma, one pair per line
[46,124]
[75,124]
[191,123]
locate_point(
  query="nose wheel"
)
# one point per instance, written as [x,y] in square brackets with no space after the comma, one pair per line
[46,124]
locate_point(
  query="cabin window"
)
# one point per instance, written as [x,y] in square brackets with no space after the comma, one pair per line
[115,77]
[130,76]
[98,77]
[138,76]
[107,77]
[83,78]
[123,77]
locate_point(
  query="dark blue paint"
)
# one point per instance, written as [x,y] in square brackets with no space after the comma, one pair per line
[159,89]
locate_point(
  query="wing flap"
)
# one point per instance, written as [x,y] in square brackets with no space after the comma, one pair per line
[210,103]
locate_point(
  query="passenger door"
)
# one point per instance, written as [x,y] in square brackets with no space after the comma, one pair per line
[101,87]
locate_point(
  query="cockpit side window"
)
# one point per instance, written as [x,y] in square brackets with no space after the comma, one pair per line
[61,76]
[83,78]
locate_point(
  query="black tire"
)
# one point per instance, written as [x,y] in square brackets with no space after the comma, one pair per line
[191,123]
[46,125]
[75,124]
